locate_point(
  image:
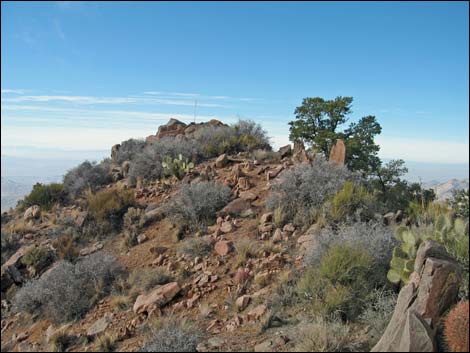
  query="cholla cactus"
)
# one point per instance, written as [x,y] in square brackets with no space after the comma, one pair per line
[177,167]
[456,328]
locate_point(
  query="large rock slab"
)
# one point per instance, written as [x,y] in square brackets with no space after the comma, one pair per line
[156,298]
[32,212]
[432,290]
[9,270]
[338,152]
[234,208]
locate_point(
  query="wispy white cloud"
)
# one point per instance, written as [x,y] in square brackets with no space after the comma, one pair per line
[87,100]
[13,91]
[198,96]
[58,29]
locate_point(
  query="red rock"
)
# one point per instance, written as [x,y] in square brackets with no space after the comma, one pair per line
[242,302]
[289,228]
[266,217]
[277,237]
[243,183]
[266,228]
[338,152]
[158,298]
[226,227]
[223,247]
[248,195]
[256,313]
[221,161]
[241,276]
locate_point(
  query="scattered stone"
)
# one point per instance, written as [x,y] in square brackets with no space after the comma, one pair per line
[91,249]
[242,302]
[158,298]
[243,183]
[289,228]
[277,237]
[99,326]
[241,276]
[223,247]
[266,228]
[267,217]
[141,238]
[226,227]
[221,161]
[32,212]
[338,152]
[256,313]
[247,213]
[248,195]
[274,173]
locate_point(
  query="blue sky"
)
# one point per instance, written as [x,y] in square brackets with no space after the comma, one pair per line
[83,76]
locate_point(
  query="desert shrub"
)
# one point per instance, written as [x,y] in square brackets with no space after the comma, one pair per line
[109,205]
[195,205]
[245,135]
[44,195]
[246,249]
[143,279]
[460,203]
[93,230]
[128,150]
[105,342]
[251,135]
[377,313]
[195,247]
[305,188]
[147,165]
[174,146]
[134,220]
[60,341]
[65,248]
[456,328]
[215,140]
[326,336]
[351,202]
[339,284]
[373,237]
[173,336]
[86,175]
[37,259]
[66,291]
[265,156]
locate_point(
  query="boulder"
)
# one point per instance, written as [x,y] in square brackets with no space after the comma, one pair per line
[221,161]
[223,247]
[271,174]
[126,165]
[9,270]
[99,326]
[338,152]
[285,151]
[172,128]
[234,208]
[114,152]
[226,227]
[241,276]
[32,212]
[91,249]
[156,298]
[256,313]
[421,303]
[248,195]
[243,183]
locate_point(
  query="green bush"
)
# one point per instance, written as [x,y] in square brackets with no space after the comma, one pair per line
[195,247]
[339,284]
[37,259]
[45,195]
[352,201]
[109,205]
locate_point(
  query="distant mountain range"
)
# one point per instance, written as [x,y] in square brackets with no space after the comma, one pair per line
[12,192]
[444,190]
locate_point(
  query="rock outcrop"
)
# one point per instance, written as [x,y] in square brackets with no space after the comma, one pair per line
[156,298]
[338,152]
[432,289]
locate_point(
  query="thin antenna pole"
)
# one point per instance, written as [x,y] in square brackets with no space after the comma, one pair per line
[195,107]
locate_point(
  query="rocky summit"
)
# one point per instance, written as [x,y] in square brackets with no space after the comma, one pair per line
[222,244]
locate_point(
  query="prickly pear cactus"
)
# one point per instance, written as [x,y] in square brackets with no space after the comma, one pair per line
[177,167]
